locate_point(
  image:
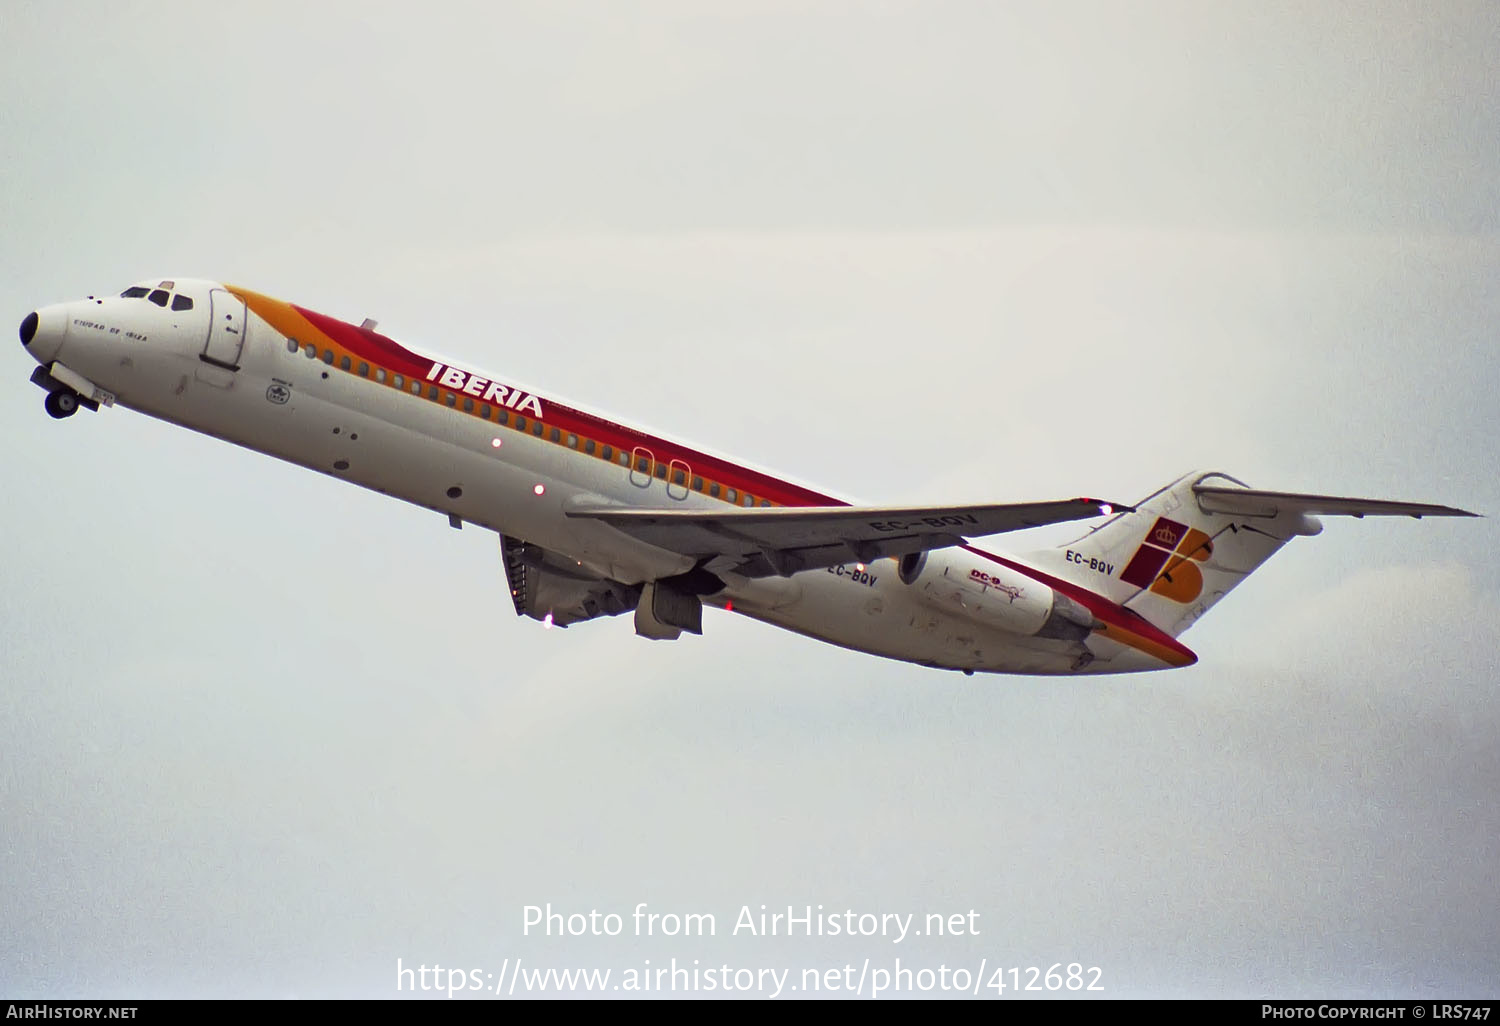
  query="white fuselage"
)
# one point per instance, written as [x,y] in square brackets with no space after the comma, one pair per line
[306,402]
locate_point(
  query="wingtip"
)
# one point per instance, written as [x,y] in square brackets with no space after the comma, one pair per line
[1107,508]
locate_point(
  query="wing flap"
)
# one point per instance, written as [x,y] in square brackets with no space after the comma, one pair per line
[1249,502]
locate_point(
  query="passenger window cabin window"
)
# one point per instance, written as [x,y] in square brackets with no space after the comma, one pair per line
[468,404]
[606,452]
[731,494]
[713,489]
[416,388]
[642,464]
[765,502]
[588,446]
[291,345]
[661,471]
[678,477]
[554,435]
[485,411]
[572,441]
[520,423]
[505,416]
[181,303]
[450,399]
[749,499]
[310,351]
[380,374]
[134,292]
[364,370]
[344,363]
[697,484]
[398,380]
[328,357]
[537,428]
[432,390]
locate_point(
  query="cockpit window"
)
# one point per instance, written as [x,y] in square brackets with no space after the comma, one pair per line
[160,296]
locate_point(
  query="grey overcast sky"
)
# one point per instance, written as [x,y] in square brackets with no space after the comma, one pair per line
[263,734]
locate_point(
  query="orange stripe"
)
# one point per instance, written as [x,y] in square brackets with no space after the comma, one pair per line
[1130,639]
[282,316]
[290,322]
[305,327]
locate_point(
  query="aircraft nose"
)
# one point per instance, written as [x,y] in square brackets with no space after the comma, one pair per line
[43,331]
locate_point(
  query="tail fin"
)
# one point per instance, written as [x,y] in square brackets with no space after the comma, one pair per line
[1187,546]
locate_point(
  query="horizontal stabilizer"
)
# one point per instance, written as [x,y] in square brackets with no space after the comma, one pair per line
[1247,502]
[760,542]
[1189,544]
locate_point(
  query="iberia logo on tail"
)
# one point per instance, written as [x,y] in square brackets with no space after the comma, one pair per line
[1166,561]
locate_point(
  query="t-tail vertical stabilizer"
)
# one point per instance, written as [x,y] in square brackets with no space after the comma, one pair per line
[1188,545]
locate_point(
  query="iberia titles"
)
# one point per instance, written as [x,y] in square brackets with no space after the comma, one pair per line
[485,390]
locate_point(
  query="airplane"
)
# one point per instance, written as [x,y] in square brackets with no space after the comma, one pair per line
[598,519]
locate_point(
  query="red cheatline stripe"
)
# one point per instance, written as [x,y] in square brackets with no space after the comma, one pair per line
[1103,609]
[368,345]
[378,349]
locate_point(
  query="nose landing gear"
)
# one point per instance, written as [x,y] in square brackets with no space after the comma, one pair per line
[67,390]
[62,403]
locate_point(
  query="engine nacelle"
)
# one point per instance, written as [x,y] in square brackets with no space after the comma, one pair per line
[1003,599]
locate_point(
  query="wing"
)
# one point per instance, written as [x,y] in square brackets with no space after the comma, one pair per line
[1247,502]
[786,540]
[543,584]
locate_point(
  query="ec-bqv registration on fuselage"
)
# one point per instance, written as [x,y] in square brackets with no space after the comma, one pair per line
[597,519]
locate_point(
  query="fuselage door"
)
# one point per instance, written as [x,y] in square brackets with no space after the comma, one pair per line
[226,330]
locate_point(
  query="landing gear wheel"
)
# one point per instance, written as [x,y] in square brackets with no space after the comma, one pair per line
[61,404]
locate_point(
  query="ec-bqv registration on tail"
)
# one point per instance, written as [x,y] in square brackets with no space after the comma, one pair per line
[597,519]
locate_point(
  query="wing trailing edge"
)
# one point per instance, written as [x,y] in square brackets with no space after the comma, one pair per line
[780,541]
